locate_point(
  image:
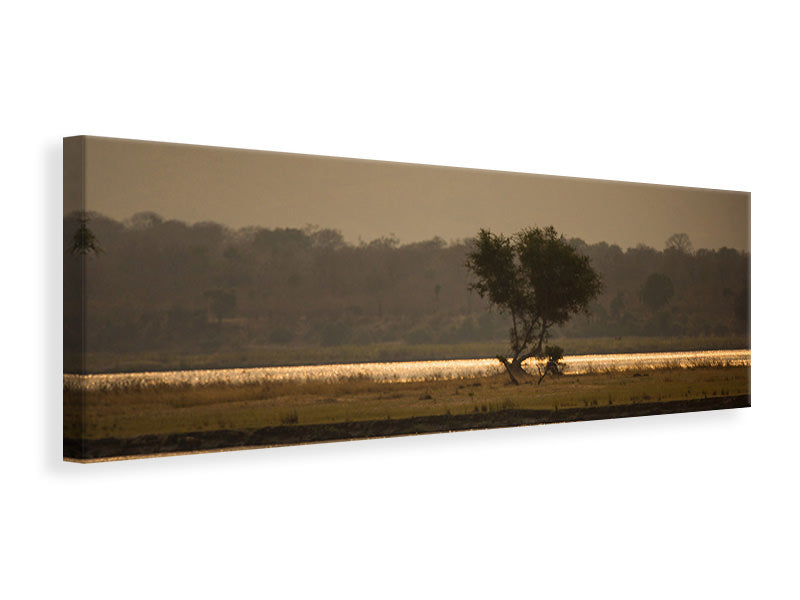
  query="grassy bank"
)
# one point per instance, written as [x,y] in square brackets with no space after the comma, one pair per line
[179,410]
[111,448]
[309,355]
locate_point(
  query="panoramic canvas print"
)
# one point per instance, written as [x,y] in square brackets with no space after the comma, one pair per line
[218,299]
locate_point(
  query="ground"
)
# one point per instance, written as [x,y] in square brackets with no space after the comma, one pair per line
[155,419]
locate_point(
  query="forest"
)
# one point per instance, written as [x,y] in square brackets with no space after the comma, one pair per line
[164,285]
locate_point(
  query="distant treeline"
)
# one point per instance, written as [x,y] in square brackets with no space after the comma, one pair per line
[164,285]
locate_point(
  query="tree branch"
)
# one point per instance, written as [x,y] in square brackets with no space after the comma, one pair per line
[515,342]
[542,336]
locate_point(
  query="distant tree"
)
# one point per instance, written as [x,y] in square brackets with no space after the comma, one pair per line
[84,241]
[281,335]
[679,242]
[537,278]
[144,220]
[328,239]
[221,303]
[741,309]
[656,291]
[617,305]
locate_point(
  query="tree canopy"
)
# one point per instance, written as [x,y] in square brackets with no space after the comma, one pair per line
[536,277]
[679,242]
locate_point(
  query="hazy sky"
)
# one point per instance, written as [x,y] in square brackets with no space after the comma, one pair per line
[368,199]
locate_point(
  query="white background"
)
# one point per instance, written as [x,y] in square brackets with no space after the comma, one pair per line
[682,506]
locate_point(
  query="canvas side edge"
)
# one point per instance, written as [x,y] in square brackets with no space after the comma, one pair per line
[74,292]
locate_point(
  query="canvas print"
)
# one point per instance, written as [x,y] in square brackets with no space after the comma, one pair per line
[218,299]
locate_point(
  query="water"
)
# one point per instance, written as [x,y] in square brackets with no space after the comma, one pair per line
[401,371]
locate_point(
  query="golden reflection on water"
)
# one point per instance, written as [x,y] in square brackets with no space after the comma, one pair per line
[402,371]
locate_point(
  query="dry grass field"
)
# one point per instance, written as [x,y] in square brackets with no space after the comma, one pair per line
[186,409]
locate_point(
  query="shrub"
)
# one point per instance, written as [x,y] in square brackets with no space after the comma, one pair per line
[554,356]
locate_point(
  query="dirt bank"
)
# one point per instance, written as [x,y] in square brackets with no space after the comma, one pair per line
[283,435]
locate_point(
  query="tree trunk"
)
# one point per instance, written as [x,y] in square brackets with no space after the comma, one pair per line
[514,369]
[552,367]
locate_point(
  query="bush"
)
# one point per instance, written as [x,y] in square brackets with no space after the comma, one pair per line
[554,355]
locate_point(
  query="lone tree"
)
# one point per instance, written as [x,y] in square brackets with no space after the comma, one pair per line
[537,278]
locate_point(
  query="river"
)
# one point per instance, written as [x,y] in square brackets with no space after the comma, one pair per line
[401,371]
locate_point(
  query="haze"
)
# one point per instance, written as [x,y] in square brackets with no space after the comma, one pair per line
[370,199]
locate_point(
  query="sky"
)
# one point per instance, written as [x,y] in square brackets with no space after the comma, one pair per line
[370,199]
